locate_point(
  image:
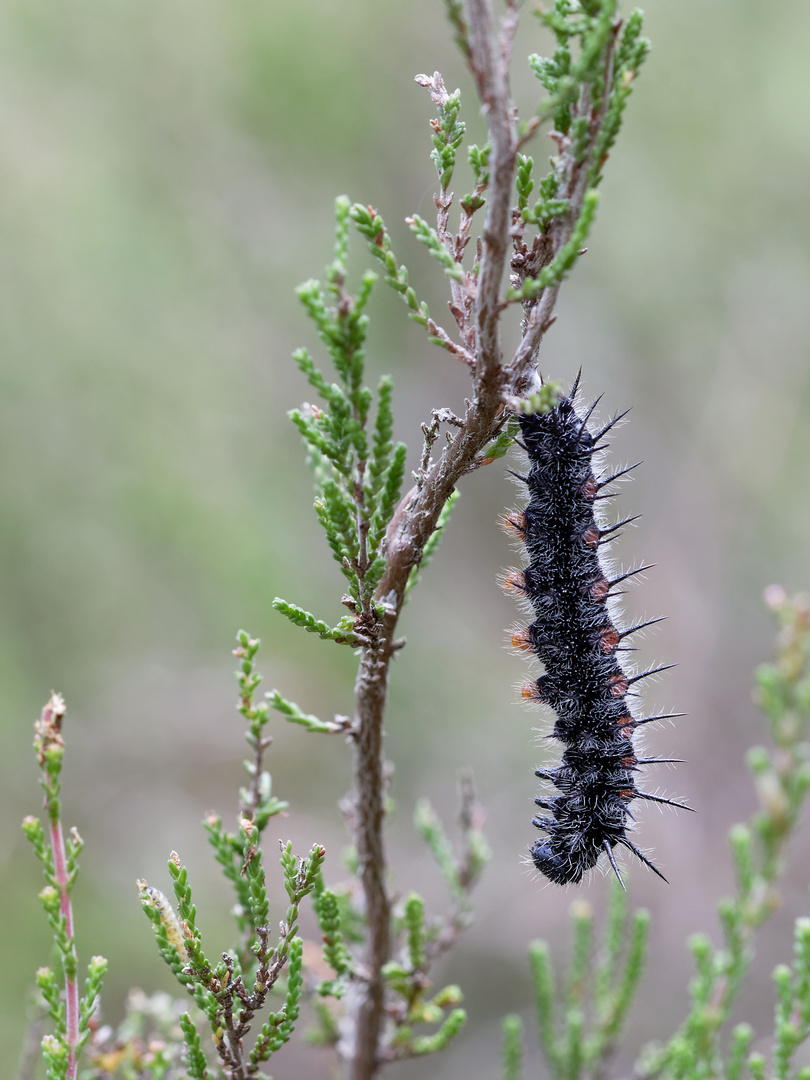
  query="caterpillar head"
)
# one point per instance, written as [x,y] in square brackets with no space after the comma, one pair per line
[555,866]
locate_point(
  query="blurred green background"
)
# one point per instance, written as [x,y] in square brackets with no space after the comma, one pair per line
[168,171]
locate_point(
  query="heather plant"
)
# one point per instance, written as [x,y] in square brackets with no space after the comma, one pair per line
[371,994]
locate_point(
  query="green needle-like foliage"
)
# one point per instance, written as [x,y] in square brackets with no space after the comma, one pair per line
[431,1044]
[372,227]
[553,274]
[448,135]
[422,940]
[195,1059]
[295,715]
[335,953]
[299,617]
[415,924]
[588,78]
[781,779]
[428,236]
[580,1018]
[478,158]
[460,871]
[388,496]
[512,1048]
[523,181]
[70,1010]
[430,828]
[359,473]
[235,989]
[383,436]
[455,15]
[279,1026]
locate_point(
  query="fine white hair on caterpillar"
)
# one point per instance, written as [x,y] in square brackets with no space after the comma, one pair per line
[570,587]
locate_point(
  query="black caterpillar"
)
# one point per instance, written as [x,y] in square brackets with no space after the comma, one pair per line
[578,642]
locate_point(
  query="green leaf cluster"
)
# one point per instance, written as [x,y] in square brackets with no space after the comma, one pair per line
[231,991]
[359,471]
[56,1047]
[256,802]
[544,400]
[407,978]
[332,912]
[565,258]
[581,1014]
[221,991]
[547,206]
[501,445]
[589,78]
[590,25]
[195,1058]
[460,871]
[448,135]
[781,779]
[417,942]
[630,55]
[372,227]
[59,856]
[238,852]
[428,236]
[478,157]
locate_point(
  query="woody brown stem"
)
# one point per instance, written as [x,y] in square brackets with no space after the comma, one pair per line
[410,529]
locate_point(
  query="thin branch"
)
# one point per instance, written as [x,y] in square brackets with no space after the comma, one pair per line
[370,696]
[541,318]
[451,346]
[490,73]
[49,738]
[413,524]
[540,314]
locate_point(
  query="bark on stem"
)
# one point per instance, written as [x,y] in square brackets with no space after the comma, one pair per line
[489,67]
[413,524]
[370,694]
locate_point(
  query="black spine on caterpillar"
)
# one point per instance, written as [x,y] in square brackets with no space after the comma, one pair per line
[578,642]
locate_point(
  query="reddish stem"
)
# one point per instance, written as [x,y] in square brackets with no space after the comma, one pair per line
[49,742]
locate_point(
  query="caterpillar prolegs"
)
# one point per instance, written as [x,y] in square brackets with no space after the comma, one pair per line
[574,634]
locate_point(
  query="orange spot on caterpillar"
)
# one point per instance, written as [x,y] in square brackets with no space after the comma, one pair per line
[521,639]
[513,581]
[514,523]
[600,589]
[591,536]
[610,639]
[625,726]
[530,692]
[618,685]
[590,487]
[629,761]
[628,793]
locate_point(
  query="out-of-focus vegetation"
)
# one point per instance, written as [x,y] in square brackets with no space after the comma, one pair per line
[168,172]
